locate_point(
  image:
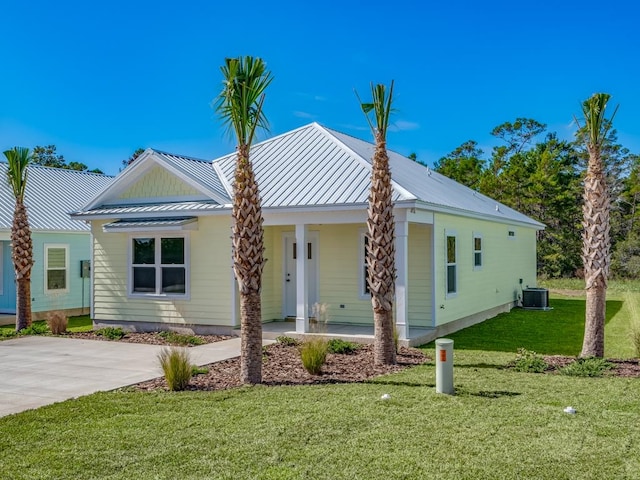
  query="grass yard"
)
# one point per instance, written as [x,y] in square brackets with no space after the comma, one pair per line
[501,424]
[80,323]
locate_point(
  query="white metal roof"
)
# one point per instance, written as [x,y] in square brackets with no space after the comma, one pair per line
[314,166]
[51,194]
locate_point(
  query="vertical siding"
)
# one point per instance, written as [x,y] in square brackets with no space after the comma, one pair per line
[420,272]
[79,249]
[210,301]
[505,261]
[159,183]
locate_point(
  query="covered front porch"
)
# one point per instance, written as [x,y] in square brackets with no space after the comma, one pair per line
[351,333]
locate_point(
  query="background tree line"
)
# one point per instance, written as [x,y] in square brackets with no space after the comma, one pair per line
[538,174]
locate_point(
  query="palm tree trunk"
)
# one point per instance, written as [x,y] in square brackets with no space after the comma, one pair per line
[251,338]
[595,254]
[248,263]
[381,255]
[22,256]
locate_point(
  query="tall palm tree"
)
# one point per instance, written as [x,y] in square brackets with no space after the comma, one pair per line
[596,240]
[381,249]
[240,108]
[21,245]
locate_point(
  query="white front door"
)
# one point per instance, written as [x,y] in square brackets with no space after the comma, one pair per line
[291,252]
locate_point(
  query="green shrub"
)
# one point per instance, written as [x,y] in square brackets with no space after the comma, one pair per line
[111,333]
[341,346]
[175,338]
[7,333]
[287,341]
[529,362]
[176,366]
[587,367]
[313,354]
[196,370]
[37,328]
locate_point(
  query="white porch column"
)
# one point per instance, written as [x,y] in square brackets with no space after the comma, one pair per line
[302,282]
[402,279]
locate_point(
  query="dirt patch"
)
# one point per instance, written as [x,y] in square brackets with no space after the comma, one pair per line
[282,366]
[150,338]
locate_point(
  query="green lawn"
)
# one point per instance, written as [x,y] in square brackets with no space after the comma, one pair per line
[76,324]
[501,424]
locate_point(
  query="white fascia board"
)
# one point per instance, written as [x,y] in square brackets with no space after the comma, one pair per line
[480,216]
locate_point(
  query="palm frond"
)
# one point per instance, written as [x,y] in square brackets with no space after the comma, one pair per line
[596,124]
[381,106]
[18,158]
[239,104]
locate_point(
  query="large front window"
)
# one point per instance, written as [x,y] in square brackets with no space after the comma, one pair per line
[158,265]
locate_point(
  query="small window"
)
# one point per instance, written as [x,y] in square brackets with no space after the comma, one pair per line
[512,234]
[452,265]
[56,258]
[477,251]
[365,291]
[158,266]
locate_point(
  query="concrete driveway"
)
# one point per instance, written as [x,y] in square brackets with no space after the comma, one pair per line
[37,371]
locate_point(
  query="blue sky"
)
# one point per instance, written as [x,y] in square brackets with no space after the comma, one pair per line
[100,79]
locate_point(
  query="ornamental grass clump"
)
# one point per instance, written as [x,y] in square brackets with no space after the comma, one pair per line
[313,354]
[57,322]
[177,368]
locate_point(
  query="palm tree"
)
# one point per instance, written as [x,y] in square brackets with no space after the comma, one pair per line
[240,108]
[381,250]
[596,240]
[21,245]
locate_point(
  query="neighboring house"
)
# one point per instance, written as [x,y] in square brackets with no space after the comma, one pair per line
[59,243]
[162,247]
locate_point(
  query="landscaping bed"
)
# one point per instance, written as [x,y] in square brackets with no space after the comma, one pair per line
[621,368]
[152,338]
[282,366]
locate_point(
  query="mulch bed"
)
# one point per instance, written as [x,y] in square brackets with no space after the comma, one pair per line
[151,338]
[282,366]
[621,368]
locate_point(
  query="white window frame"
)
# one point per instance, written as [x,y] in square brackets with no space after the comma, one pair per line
[474,251]
[65,247]
[158,267]
[447,234]
[362,266]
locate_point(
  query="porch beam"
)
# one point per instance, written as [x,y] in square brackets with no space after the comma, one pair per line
[302,281]
[402,279]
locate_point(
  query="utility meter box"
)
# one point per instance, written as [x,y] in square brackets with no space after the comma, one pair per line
[85,268]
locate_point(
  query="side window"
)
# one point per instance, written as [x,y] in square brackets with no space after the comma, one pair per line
[452,264]
[56,259]
[477,251]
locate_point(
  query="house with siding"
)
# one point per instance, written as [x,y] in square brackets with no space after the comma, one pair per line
[60,244]
[162,248]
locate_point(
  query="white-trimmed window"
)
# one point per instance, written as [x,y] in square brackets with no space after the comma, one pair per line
[452,264]
[365,293]
[477,251]
[159,265]
[56,266]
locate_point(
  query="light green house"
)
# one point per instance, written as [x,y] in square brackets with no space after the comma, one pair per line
[60,245]
[162,248]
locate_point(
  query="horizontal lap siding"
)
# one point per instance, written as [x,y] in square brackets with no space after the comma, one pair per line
[210,276]
[272,275]
[159,183]
[340,264]
[505,260]
[420,297]
[79,249]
